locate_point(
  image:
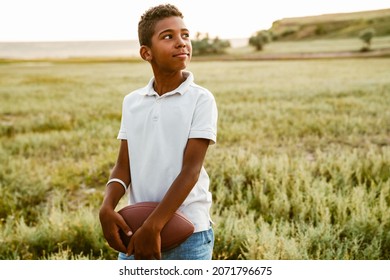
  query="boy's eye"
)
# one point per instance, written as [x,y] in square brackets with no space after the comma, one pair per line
[170,36]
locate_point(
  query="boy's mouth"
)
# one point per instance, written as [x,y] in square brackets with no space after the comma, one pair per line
[184,54]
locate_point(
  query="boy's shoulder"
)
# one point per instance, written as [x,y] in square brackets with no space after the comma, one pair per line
[200,90]
[137,93]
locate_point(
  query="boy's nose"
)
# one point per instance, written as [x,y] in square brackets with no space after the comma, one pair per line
[180,43]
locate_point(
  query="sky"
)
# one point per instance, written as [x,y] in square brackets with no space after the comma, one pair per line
[75,20]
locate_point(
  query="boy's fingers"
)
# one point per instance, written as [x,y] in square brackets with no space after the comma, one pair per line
[124,227]
[130,248]
[116,243]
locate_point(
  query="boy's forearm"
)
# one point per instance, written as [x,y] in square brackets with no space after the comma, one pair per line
[192,163]
[113,194]
[175,196]
[115,191]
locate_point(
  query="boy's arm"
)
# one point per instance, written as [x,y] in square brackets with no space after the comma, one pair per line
[110,220]
[146,242]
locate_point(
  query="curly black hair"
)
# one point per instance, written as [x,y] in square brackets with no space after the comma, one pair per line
[149,19]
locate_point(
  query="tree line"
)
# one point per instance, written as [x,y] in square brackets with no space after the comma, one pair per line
[204,45]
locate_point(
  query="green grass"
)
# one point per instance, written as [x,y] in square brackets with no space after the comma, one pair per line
[300,171]
[314,46]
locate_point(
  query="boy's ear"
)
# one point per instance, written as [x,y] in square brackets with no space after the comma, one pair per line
[146,53]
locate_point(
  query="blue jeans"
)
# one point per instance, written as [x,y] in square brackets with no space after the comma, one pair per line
[199,246]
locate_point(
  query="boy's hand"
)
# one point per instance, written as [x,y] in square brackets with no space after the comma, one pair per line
[112,223]
[145,244]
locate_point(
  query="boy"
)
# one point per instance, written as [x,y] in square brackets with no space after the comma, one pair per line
[165,131]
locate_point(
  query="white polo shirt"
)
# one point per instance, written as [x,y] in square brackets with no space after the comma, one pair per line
[157,129]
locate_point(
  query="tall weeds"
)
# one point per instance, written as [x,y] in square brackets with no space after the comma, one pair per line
[300,171]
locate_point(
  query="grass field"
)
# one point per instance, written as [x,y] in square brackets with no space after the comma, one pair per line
[318,47]
[300,171]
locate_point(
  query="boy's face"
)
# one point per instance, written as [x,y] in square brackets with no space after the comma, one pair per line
[171,48]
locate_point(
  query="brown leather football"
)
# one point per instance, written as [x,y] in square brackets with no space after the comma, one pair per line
[176,231]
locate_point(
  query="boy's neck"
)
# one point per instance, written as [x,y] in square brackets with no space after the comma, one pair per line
[166,82]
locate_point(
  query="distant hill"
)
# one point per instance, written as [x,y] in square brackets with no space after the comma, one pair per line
[342,25]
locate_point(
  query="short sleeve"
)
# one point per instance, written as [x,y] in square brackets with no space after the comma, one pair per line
[204,122]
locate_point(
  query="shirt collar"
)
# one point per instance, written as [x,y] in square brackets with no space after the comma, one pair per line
[181,89]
